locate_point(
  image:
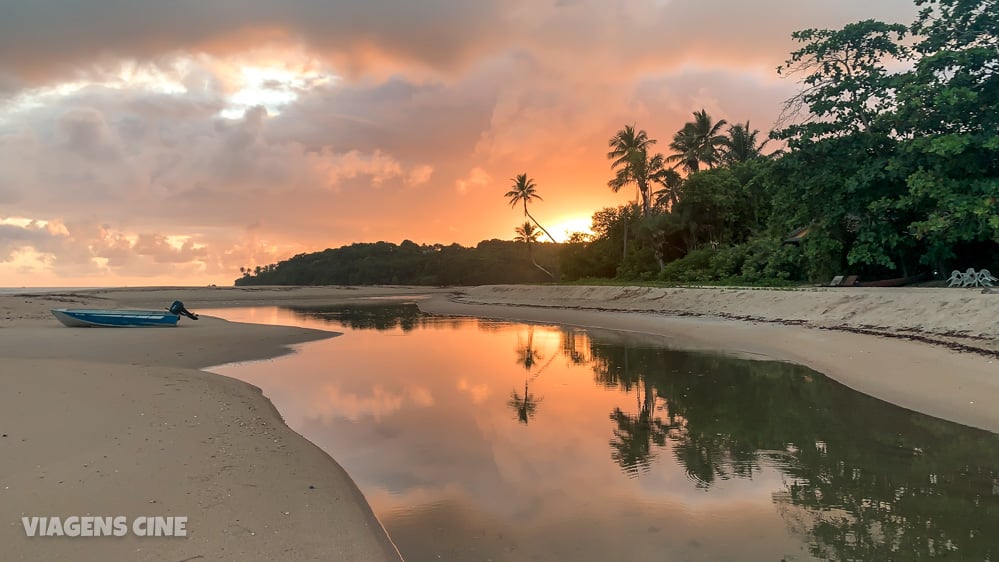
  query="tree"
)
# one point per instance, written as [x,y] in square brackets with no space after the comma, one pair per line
[669,195]
[713,208]
[632,163]
[837,177]
[846,86]
[524,191]
[949,108]
[699,142]
[741,144]
[527,234]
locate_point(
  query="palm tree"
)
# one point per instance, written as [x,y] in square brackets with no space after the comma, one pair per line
[669,195]
[632,163]
[698,142]
[685,147]
[524,191]
[527,234]
[741,144]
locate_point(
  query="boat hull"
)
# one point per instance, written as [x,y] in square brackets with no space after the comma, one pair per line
[82,318]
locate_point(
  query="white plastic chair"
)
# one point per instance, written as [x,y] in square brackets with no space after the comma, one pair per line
[970,278]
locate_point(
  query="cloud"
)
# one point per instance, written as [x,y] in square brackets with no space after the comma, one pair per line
[377,166]
[52,37]
[477,177]
[194,138]
[420,175]
[46,38]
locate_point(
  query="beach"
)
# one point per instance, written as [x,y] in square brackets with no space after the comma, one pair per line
[119,422]
[125,422]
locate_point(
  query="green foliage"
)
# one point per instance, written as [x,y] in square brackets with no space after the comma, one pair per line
[761,261]
[895,172]
[597,258]
[846,84]
[491,261]
[713,208]
[694,267]
[949,107]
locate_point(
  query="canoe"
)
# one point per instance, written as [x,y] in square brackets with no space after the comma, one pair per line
[80,317]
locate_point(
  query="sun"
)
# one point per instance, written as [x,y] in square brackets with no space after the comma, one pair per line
[563,229]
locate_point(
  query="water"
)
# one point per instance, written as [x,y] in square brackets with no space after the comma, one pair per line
[484,440]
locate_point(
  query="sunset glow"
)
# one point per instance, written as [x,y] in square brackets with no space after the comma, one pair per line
[174,148]
[564,229]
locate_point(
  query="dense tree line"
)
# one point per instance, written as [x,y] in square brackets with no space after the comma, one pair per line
[888,167]
[491,261]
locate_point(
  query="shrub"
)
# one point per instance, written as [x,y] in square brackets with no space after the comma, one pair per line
[761,261]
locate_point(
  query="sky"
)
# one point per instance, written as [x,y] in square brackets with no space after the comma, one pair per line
[145,142]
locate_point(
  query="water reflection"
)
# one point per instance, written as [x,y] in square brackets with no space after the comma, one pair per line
[640,452]
[529,357]
[366,316]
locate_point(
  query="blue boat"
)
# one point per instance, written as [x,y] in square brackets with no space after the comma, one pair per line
[124,318]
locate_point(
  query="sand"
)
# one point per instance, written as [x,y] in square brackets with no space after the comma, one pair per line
[113,422]
[123,422]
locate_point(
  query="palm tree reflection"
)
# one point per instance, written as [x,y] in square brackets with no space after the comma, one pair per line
[631,447]
[525,406]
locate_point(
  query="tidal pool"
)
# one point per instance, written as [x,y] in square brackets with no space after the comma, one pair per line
[485,440]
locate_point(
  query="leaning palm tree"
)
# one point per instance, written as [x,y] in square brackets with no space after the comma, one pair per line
[741,144]
[527,234]
[632,163]
[524,191]
[699,142]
